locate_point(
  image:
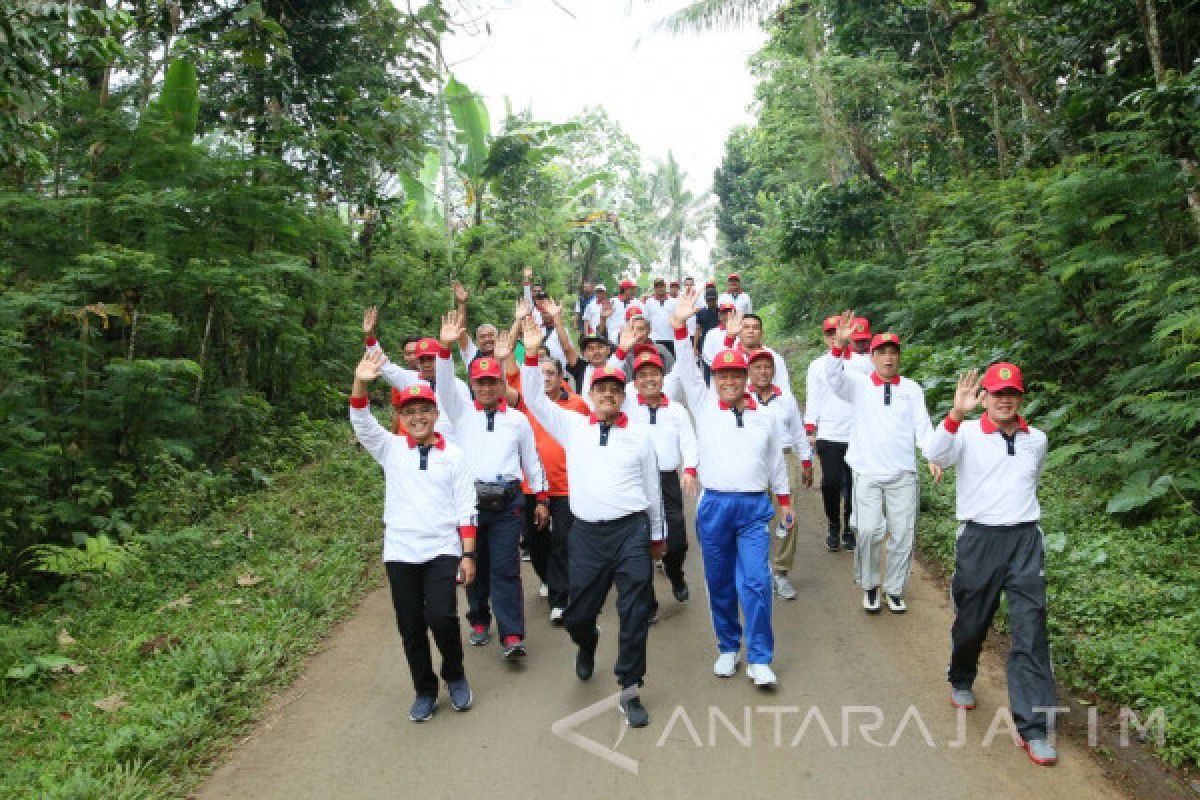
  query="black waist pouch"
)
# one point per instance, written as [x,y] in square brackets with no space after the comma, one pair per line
[495,496]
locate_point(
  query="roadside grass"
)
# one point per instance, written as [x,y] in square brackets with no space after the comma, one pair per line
[126,687]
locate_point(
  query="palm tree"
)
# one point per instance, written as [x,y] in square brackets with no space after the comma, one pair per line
[708,15]
[683,216]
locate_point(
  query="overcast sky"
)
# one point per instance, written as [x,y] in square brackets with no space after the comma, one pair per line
[682,93]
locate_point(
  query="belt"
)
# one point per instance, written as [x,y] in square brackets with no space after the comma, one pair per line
[1016,527]
[720,493]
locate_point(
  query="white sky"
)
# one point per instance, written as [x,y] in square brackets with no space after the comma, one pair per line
[682,93]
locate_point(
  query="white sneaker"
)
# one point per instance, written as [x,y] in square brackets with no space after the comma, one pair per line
[556,616]
[761,674]
[896,604]
[725,665]
[784,588]
[543,591]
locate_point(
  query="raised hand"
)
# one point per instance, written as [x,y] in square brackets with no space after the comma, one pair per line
[521,311]
[841,338]
[370,318]
[532,334]
[528,273]
[461,295]
[685,308]
[733,324]
[626,339]
[806,477]
[606,308]
[935,472]
[551,309]
[503,348]
[370,365]
[967,395]
[452,328]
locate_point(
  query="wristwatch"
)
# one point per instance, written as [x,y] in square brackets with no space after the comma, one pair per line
[471,555]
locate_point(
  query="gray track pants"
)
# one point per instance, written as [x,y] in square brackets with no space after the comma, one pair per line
[885,510]
[988,560]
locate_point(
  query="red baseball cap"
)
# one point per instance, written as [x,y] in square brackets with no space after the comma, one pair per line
[862,328]
[428,347]
[607,373]
[710,285]
[633,311]
[733,276]
[729,359]
[884,338]
[674,282]
[485,367]
[401,397]
[831,323]
[628,285]
[726,307]
[1003,376]
[647,358]
[761,355]
[659,280]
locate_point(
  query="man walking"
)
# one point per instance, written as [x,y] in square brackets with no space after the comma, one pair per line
[889,421]
[999,460]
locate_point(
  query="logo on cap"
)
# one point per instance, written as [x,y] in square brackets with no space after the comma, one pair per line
[728,359]
[646,356]
[483,364]
[1005,373]
[859,328]
[415,390]
[424,345]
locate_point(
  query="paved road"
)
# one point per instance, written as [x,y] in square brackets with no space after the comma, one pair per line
[343,732]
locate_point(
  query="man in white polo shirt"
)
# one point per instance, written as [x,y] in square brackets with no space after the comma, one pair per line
[828,419]
[741,463]
[735,296]
[999,460]
[618,528]
[890,421]
[657,309]
[499,446]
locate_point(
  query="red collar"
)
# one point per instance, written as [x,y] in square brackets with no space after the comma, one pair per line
[750,404]
[775,391]
[663,402]
[501,406]
[439,441]
[621,421]
[878,381]
[987,426]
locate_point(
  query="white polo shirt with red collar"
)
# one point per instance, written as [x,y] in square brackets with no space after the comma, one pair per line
[612,468]
[996,476]
[740,451]
[658,314]
[890,419]
[825,414]
[670,428]
[782,405]
[429,492]
[500,445]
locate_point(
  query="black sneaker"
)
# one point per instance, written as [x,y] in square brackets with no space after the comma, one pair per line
[831,543]
[513,648]
[871,601]
[585,664]
[635,712]
[848,541]
[681,592]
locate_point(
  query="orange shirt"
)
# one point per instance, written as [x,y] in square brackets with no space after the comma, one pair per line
[554,458]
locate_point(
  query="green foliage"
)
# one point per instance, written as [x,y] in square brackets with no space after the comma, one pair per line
[189,651]
[99,555]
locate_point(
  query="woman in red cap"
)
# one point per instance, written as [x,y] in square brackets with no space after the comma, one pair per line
[428,535]
[999,549]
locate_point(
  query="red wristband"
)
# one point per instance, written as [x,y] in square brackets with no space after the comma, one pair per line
[681,333]
[951,424]
[689,471]
[836,352]
[466,531]
[360,402]
[620,354]
[531,359]
[806,464]
[444,352]
[729,340]
[371,341]
[785,500]
[542,497]
[810,428]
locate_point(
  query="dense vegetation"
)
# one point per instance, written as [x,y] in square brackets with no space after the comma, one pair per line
[1012,179]
[196,201]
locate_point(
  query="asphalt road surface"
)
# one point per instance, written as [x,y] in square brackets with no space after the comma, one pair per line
[861,711]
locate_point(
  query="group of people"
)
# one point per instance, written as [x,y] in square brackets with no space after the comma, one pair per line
[583,450]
